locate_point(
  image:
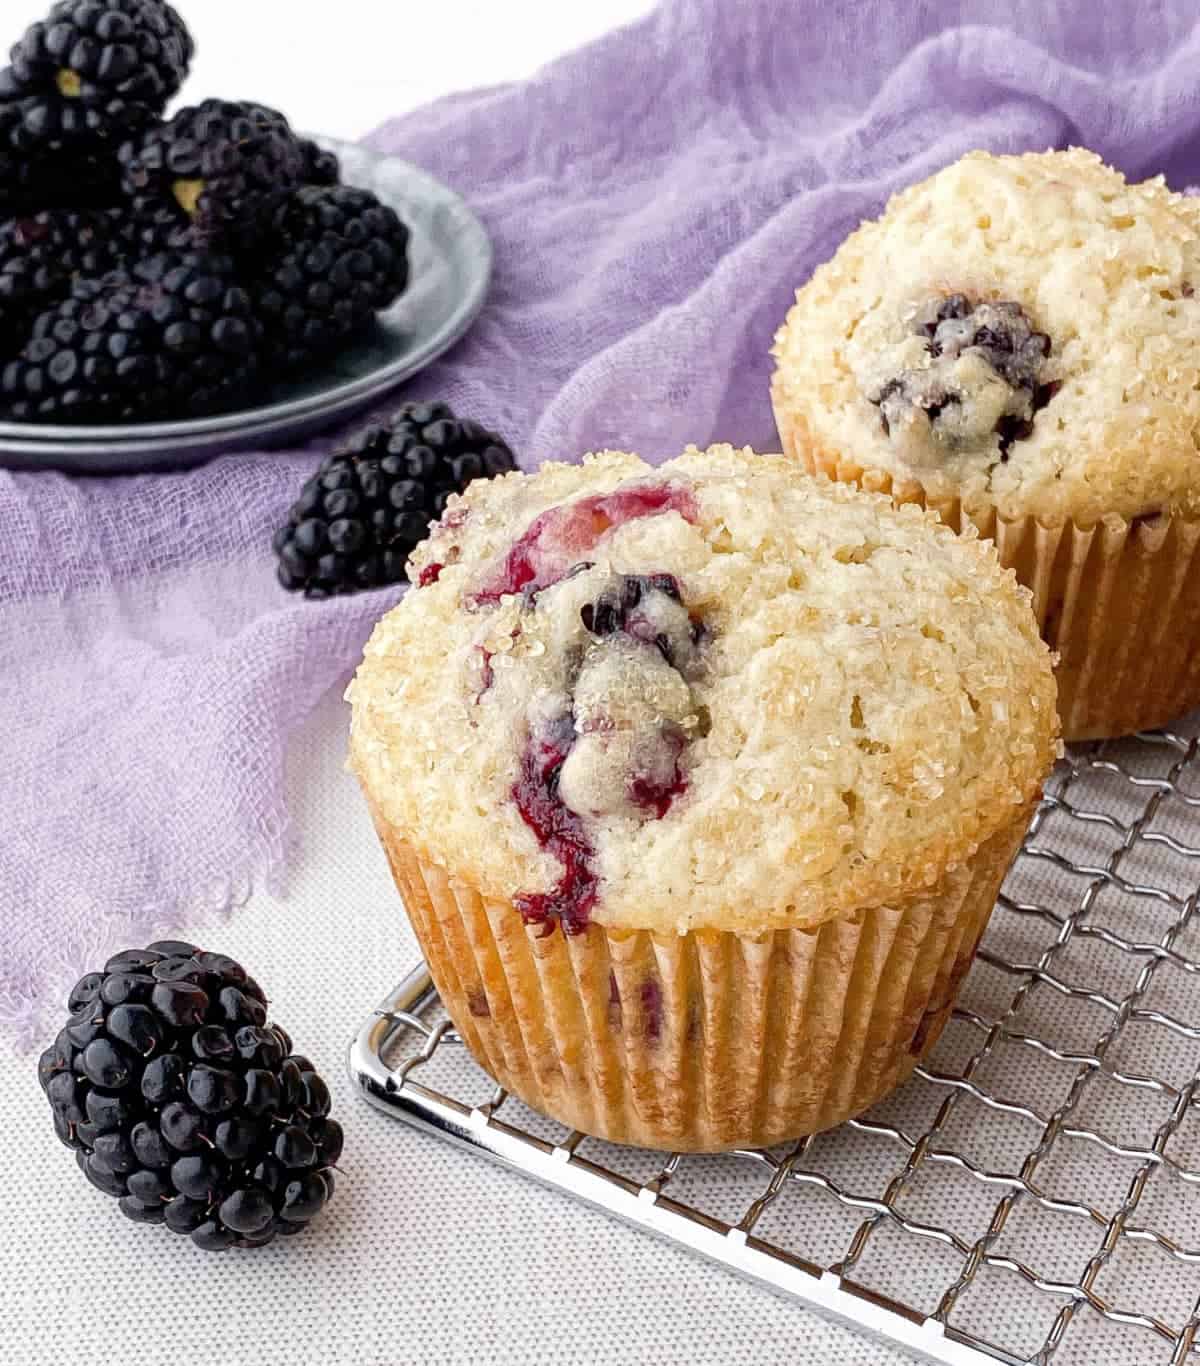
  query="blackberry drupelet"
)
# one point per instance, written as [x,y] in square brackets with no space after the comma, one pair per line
[227,167]
[359,517]
[40,255]
[174,335]
[184,1104]
[89,75]
[344,257]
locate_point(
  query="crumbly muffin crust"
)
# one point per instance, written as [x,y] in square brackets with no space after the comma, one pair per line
[724,695]
[1022,332]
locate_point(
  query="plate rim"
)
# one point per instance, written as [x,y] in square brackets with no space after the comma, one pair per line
[31,439]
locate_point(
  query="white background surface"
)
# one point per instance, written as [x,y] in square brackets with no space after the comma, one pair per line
[425,1254]
[343,66]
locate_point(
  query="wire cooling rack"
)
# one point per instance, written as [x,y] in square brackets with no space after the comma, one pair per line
[1032,1195]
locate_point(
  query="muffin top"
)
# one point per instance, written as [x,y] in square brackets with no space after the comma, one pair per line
[1022,332]
[719,693]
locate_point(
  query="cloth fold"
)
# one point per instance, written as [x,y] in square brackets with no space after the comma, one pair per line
[654,199]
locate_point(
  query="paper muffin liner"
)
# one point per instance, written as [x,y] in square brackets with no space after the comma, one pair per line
[709,1040]
[1116,600]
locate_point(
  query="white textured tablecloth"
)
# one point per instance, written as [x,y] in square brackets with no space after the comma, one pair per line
[425,1255]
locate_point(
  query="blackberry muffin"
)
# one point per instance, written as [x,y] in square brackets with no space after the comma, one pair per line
[1016,344]
[698,783]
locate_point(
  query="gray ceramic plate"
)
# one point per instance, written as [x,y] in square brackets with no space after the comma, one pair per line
[451,261]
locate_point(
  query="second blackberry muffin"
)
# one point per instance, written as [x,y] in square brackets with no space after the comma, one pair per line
[1016,344]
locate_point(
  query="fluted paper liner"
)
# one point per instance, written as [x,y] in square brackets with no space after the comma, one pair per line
[1118,601]
[709,1040]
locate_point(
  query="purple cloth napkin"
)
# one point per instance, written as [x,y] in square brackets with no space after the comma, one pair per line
[654,199]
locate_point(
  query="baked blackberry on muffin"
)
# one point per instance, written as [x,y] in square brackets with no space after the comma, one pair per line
[698,783]
[1016,344]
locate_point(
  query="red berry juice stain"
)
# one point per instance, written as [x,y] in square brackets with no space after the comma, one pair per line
[652,794]
[652,1008]
[558,829]
[557,538]
[614,1001]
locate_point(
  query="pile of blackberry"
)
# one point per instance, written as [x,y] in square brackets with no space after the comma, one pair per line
[371,502]
[184,1104]
[101,197]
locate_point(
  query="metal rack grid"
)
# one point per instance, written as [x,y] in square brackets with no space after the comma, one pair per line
[1032,1195]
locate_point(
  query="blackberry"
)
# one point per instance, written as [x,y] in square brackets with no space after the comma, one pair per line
[360,516]
[320,167]
[89,75]
[1000,332]
[963,409]
[174,335]
[345,258]
[184,1104]
[41,253]
[53,153]
[96,50]
[647,608]
[225,167]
